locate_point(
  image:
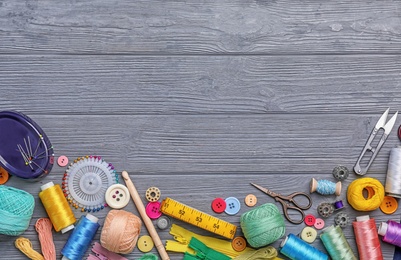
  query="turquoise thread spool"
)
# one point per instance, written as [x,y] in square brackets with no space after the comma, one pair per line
[336,244]
[325,187]
[263,225]
[297,249]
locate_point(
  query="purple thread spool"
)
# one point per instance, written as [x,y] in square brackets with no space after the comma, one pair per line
[338,205]
[391,232]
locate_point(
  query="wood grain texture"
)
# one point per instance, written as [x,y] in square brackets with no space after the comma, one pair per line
[193,27]
[202,98]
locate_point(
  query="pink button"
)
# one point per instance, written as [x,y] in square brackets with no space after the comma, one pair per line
[319,223]
[153,210]
[62,161]
[310,220]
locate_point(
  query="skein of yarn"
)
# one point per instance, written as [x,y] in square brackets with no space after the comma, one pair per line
[120,231]
[44,228]
[263,225]
[16,209]
[375,194]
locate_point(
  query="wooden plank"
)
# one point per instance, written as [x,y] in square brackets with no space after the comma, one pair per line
[114,85]
[209,27]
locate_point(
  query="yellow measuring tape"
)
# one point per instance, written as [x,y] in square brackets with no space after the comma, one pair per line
[197,218]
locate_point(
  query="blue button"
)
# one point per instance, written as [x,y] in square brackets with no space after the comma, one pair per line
[232,206]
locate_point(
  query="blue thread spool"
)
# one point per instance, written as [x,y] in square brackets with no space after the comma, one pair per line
[325,187]
[80,239]
[297,249]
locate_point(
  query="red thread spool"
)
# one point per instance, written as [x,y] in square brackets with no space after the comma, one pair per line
[367,238]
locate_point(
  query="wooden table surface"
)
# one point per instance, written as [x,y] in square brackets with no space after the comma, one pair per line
[200,98]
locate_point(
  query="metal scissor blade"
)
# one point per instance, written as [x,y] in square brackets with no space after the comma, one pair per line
[387,128]
[382,120]
[260,188]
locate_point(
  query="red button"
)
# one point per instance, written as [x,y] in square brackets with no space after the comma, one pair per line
[310,220]
[153,210]
[219,205]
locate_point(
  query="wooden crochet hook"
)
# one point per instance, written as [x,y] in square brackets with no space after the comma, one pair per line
[148,223]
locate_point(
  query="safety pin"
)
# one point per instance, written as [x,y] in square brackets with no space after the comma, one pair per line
[381,124]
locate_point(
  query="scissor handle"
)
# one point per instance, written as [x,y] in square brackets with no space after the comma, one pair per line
[287,207]
[292,198]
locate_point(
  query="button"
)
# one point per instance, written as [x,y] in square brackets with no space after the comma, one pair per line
[117,196]
[153,210]
[310,220]
[219,205]
[308,234]
[62,161]
[3,176]
[163,222]
[233,206]
[250,200]
[145,244]
[153,194]
[319,223]
[238,244]
[389,205]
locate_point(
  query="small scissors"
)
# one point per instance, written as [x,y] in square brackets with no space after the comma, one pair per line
[286,205]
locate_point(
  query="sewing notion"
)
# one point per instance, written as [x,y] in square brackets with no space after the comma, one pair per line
[381,124]
[286,200]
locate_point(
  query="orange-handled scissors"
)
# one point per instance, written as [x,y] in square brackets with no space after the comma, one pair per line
[286,200]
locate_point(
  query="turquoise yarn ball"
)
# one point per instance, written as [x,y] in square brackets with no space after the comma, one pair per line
[263,225]
[16,209]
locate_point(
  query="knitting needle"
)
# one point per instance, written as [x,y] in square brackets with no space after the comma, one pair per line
[148,223]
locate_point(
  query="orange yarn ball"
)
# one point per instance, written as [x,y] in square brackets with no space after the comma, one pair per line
[120,231]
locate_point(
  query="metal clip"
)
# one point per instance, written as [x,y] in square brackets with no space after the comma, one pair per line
[381,124]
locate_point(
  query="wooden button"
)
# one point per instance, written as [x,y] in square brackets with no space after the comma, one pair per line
[251,200]
[3,176]
[239,244]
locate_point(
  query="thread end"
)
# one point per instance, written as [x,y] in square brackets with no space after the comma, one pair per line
[66,229]
[338,188]
[313,185]
[46,186]
[382,229]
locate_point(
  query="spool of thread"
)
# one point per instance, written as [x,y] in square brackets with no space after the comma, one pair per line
[393,177]
[367,239]
[335,243]
[80,238]
[325,187]
[391,232]
[120,231]
[297,249]
[57,207]
[16,209]
[375,194]
[338,205]
[263,225]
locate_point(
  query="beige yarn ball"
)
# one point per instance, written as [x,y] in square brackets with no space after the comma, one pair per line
[120,231]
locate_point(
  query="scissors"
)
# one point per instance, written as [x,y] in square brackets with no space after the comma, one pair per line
[381,124]
[286,200]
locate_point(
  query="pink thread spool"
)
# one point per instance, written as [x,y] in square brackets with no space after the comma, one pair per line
[367,239]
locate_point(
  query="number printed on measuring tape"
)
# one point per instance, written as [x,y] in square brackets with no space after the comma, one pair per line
[197,218]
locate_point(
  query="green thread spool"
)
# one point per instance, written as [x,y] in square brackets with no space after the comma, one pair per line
[263,225]
[336,244]
[16,209]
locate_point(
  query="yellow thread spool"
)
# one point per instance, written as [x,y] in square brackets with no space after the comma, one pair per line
[57,207]
[374,190]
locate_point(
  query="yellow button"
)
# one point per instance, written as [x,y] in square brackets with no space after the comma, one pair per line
[238,244]
[389,205]
[251,200]
[3,176]
[145,244]
[308,234]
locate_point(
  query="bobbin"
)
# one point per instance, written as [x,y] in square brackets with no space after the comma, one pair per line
[314,187]
[325,209]
[342,219]
[340,172]
[153,194]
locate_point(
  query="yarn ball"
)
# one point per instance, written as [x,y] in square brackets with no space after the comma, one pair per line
[16,209]
[263,225]
[374,190]
[120,231]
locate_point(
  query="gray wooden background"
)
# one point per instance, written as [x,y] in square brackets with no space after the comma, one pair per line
[199,98]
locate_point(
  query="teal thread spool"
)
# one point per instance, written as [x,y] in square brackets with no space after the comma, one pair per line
[297,249]
[16,209]
[263,225]
[336,244]
[325,187]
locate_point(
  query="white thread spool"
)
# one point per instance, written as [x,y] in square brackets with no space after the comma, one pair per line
[393,178]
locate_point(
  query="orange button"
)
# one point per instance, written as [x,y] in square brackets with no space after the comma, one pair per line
[389,205]
[251,200]
[3,176]
[238,244]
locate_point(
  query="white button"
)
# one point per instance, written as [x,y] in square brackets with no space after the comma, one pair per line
[117,196]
